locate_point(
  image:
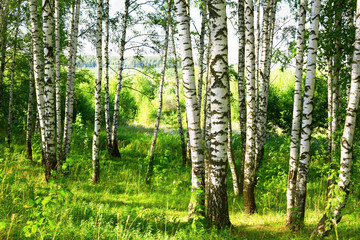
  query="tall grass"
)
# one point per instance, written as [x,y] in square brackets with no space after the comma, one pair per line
[121,206]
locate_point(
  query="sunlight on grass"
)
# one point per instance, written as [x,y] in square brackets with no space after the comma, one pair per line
[121,206]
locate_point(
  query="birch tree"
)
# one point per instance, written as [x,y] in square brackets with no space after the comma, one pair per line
[241,89]
[96,137]
[339,199]
[158,115]
[196,206]
[219,97]
[49,113]
[57,80]
[29,119]
[70,81]
[106,79]
[12,77]
[304,155]
[203,11]
[115,151]
[295,130]
[178,110]
[39,88]
[264,79]
[249,166]
[230,155]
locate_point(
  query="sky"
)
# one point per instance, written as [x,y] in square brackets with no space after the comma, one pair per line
[116,5]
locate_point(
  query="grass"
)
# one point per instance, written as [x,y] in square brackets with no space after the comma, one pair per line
[121,206]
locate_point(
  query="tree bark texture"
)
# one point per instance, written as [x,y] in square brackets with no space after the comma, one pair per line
[50,143]
[304,155]
[39,88]
[57,81]
[230,155]
[241,89]
[263,82]
[96,137]
[106,79]
[196,205]
[295,128]
[70,82]
[249,166]
[202,50]
[219,96]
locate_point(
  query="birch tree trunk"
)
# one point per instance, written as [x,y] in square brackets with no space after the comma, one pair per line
[70,84]
[230,155]
[219,96]
[29,118]
[201,51]
[196,206]
[158,115]
[115,151]
[336,91]
[295,129]
[67,117]
[96,137]
[178,109]
[258,40]
[57,80]
[241,89]
[13,75]
[50,143]
[346,156]
[249,166]
[304,156]
[263,84]
[106,80]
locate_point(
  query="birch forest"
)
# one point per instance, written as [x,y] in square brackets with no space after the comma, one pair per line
[179,119]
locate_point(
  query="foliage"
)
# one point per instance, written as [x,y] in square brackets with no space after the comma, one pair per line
[121,206]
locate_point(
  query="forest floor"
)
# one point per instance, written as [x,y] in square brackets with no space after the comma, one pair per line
[121,206]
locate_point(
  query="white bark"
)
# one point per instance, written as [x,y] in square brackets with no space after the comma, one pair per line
[69,101]
[57,80]
[219,97]
[263,83]
[304,156]
[106,80]
[49,100]
[192,110]
[241,89]
[249,167]
[97,126]
[202,50]
[295,129]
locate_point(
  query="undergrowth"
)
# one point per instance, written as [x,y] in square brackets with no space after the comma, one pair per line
[121,206]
